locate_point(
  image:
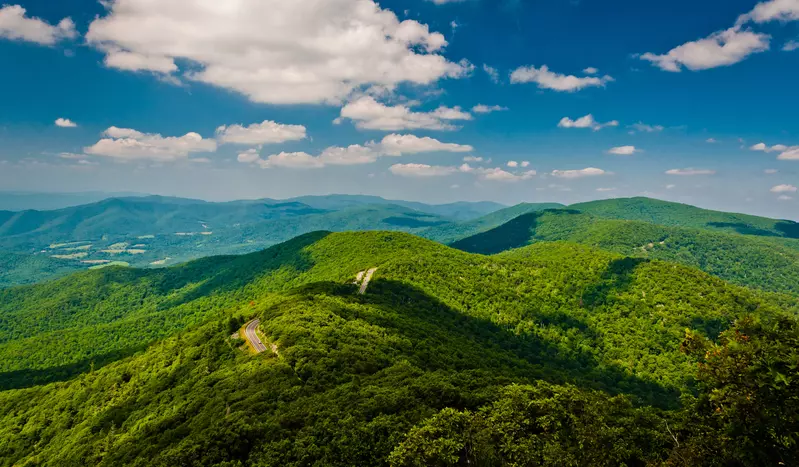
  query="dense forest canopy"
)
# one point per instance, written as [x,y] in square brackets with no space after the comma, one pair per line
[551,354]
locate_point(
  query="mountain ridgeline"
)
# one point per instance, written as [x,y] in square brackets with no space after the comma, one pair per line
[761,259]
[550,354]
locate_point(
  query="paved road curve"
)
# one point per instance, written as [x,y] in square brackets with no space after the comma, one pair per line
[366,280]
[249,333]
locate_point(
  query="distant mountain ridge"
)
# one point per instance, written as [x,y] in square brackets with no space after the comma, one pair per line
[157,230]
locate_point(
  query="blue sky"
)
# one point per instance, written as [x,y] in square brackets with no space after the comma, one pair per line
[287,97]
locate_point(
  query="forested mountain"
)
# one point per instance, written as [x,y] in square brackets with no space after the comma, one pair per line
[154,231]
[753,261]
[449,233]
[683,215]
[552,354]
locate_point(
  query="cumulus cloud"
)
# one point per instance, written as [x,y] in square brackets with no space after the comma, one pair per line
[546,79]
[369,114]
[266,132]
[393,145]
[787,153]
[512,164]
[396,145]
[587,172]
[472,159]
[790,46]
[65,123]
[722,48]
[585,122]
[498,174]
[644,128]
[15,25]
[590,71]
[690,172]
[623,150]
[125,144]
[487,109]
[783,189]
[281,51]
[730,46]
[421,170]
[772,10]
[492,73]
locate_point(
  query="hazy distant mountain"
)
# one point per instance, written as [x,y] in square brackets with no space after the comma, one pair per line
[157,230]
[20,201]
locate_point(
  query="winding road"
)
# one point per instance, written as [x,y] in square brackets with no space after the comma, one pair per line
[366,280]
[252,338]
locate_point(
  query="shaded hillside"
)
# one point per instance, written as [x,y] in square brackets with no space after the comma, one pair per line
[746,260]
[449,233]
[683,215]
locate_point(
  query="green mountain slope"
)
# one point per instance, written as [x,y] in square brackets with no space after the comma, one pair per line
[683,215]
[746,260]
[354,374]
[449,233]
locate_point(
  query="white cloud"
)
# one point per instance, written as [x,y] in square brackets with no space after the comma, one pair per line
[421,170]
[513,164]
[291,160]
[487,109]
[497,174]
[472,159]
[770,171]
[546,79]
[71,156]
[790,46]
[443,2]
[392,145]
[644,128]
[722,48]
[492,73]
[690,171]
[784,198]
[353,154]
[525,164]
[280,51]
[15,25]
[711,140]
[369,114]
[772,10]
[585,122]
[604,190]
[65,123]
[623,150]
[590,71]
[249,156]
[783,189]
[266,132]
[587,172]
[787,153]
[396,145]
[791,154]
[125,144]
